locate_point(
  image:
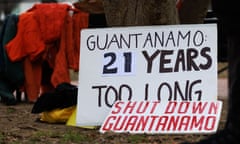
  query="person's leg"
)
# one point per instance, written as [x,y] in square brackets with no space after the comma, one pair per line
[231,133]
[233,119]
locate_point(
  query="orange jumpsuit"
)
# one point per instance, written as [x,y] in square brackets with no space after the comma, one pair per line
[47,32]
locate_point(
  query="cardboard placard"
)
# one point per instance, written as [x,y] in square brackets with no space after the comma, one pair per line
[152,63]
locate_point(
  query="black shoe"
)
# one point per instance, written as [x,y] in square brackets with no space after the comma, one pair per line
[221,137]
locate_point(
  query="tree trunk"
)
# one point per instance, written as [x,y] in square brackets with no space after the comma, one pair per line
[140,12]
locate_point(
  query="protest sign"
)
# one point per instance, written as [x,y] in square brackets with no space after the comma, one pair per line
[150,63]
[165,117]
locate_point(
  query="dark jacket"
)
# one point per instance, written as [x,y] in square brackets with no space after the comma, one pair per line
[227,12]
[11,73]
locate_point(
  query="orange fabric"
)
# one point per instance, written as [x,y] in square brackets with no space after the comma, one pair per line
[33,73]
[50,17]
[68,54]
[80,21]
[60,71]
[47,32]
[179,4]
[36,27]
[28,41]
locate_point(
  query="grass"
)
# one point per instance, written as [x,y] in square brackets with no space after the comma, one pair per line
[66,137]
[72,136]
[11,110]
[1,138]
[135,139]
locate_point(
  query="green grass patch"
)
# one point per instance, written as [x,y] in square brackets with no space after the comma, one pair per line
[135,139]
[11,110]
[74,137]
[1,138]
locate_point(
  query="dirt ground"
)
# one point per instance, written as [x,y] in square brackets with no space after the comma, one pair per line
[19,126]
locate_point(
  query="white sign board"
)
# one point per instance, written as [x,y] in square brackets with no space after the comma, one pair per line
[154,63]
[165,117]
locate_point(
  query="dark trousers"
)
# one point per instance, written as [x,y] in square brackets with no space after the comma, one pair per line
[233,48]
